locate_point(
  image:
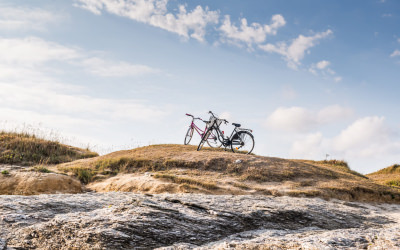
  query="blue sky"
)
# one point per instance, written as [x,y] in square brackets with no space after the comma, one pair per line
[310,77]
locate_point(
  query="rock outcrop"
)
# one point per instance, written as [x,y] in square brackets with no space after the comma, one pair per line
[31,183]
[180,221]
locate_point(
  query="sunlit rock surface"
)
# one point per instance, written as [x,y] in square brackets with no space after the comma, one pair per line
[182,221]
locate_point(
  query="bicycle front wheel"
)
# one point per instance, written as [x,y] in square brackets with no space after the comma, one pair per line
[213,141]
[242,142]
[188,136]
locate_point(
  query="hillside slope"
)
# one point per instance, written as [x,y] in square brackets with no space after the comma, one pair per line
[182,169]
[24,160]
[25,149]
[387,176]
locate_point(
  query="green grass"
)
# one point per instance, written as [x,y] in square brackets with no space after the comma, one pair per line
[393,183]
[5,172]
[41,169]
[26,149]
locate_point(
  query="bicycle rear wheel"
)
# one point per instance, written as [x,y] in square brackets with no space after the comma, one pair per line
[213,140]
[188,136]
[204,139]
[242,142]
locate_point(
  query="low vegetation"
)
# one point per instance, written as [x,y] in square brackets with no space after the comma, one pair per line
[222,172]
[5,172]
[41,169]
[26,149]
[387,176]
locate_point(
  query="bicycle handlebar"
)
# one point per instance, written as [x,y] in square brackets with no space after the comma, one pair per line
[224,120]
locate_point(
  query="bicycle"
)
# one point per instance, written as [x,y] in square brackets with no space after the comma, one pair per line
[241,140]
[212,139]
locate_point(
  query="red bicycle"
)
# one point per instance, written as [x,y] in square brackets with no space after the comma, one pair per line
[212,139]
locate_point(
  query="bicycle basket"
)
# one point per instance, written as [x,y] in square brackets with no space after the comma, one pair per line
[215,121]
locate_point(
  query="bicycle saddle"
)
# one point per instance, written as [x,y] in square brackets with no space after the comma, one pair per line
[236,125]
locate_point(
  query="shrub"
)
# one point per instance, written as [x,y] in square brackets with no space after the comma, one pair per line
[5,172]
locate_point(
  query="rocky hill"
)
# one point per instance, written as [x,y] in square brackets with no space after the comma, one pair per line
[182,169]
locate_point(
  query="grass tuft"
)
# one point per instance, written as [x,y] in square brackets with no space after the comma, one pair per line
[26,149]
[5,172]
[393,183]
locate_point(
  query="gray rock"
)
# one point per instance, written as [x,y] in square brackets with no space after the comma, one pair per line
[3,244]
[187,221]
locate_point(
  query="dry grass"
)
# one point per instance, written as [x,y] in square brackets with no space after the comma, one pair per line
[26,149]
[389,176]
[253,174]
[185,180]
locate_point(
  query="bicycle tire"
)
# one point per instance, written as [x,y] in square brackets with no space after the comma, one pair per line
[203,139]
[188,136]
[214,141]
[242,142]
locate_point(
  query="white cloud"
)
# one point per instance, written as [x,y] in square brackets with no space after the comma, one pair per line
[28,83]
[101,67]
[254,33]
[322,64]
[365,139]
[322,68]
[52,101]
[33,50]
[19,55]
[295,52]
[309,147]
[226,115]
[363,133]
[19,18]
[154,12]
[338,79]
[300,120]
[395,53]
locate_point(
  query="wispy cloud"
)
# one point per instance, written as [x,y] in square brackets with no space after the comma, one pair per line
[194,23]
[104,68]
[295,52]
[154,12]
[395,53]
[19,18]
[323,68]
[29,84]
[31,51]
[255,33]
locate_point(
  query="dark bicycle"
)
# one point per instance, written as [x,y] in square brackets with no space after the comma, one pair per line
[240,141]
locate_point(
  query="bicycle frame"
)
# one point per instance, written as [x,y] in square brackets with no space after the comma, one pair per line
[226,141]
[199,130]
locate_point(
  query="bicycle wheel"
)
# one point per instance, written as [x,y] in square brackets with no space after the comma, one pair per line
[204,139]
[213,141]
[189,135]
[242,142]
